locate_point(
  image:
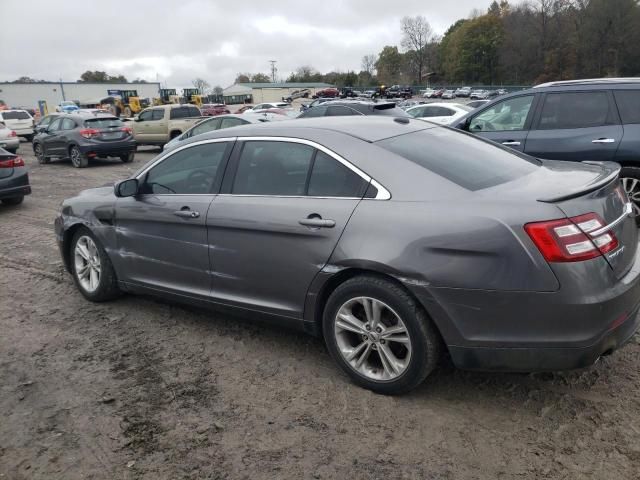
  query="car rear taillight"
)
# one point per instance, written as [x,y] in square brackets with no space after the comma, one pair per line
[572,239]
[13,134]
[127,130]
[89,132]
[12,162]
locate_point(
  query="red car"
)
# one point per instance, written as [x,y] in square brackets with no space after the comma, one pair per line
[327,92]
[213,109]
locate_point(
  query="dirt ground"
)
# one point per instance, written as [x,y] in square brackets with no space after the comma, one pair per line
[140,389]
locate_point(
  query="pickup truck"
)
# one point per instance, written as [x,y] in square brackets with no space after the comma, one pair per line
[158,125]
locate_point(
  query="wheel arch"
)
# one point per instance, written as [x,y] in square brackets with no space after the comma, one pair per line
[174,133]
[67,237]
[334,281]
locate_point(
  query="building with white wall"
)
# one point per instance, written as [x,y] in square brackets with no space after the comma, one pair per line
[27,95]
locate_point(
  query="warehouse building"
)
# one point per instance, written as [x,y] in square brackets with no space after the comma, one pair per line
[28,95]
[267,92]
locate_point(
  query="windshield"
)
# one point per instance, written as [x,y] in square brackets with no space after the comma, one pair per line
[103,123]
[461,158]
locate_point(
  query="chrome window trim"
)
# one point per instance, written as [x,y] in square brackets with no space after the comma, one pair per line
[383,193]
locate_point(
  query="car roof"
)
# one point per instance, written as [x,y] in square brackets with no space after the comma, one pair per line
[13,110]
[367,128]
[356,101]
[591,81]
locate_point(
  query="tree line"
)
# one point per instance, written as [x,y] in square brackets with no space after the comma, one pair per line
[523,44]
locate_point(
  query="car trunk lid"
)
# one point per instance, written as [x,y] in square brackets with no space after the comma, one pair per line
[107,129]
[580,188]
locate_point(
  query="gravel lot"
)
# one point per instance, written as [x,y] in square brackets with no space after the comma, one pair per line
[138,388]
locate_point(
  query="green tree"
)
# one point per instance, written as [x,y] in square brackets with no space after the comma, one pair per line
[260,78]
[388,65]
[243,78]
[98,76]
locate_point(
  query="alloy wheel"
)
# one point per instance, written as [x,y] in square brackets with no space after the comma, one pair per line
[372,339]
[87,263]
[632,187]
[39,153]
[75,157]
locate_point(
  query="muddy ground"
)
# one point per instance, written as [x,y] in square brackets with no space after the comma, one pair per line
[140,389]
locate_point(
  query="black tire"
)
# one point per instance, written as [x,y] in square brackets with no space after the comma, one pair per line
[13,200]
[108,284]
[78,159]
[29,138]
[425,340]
[128,157]
[38,149]
[12,150]
[174,134]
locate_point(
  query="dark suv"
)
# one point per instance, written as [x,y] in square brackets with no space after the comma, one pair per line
[340,108]
[82,137]
[595,120]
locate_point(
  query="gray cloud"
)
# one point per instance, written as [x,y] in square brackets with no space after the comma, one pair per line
[178,41]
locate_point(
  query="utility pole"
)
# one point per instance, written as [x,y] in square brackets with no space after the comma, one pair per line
[273,70]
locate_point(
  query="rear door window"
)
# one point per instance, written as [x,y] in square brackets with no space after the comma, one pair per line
[231,122]
[273,168]
[628,105]
[474,164]
[180,112]
[205,127]
[575,110]
[157,114]
[339,111]
[330,178]
[314,112]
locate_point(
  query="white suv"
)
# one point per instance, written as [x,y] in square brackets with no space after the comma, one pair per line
[19,121]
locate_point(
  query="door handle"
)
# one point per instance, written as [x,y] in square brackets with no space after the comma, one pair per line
[316,222]
[511,143]
[186,214]
[603,140]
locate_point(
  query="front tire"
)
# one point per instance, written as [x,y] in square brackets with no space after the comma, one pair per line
[29,138]
[91,268]
[379,335]
[13,200]
[78,159]
[39,152]
[128,158]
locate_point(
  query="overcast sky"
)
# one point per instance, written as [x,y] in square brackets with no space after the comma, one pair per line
[177,41]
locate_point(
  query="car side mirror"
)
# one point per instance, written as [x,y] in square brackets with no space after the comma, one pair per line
[126,188]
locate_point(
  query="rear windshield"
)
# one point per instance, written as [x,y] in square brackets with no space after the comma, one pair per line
[391,111]
[468,161]
[103,123]
[15,115]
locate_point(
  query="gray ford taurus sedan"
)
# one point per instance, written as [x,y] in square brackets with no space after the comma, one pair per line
[392,238]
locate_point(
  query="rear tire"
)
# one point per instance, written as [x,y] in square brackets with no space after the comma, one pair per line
[29,138]
[128,158]
[13,200]
[106,286]
[78,159]
[13,150]
[410,354]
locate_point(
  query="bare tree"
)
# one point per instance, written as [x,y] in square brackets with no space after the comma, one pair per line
[202,85]
[369,63]
[218,90]
[416,36]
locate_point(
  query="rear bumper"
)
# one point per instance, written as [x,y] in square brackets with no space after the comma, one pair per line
[108,149]
[11,143]
[544,359]
[15,186]
[592,314]
[23,131]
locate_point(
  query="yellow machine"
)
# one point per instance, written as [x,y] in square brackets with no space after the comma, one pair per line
[192,95]
[122,102]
